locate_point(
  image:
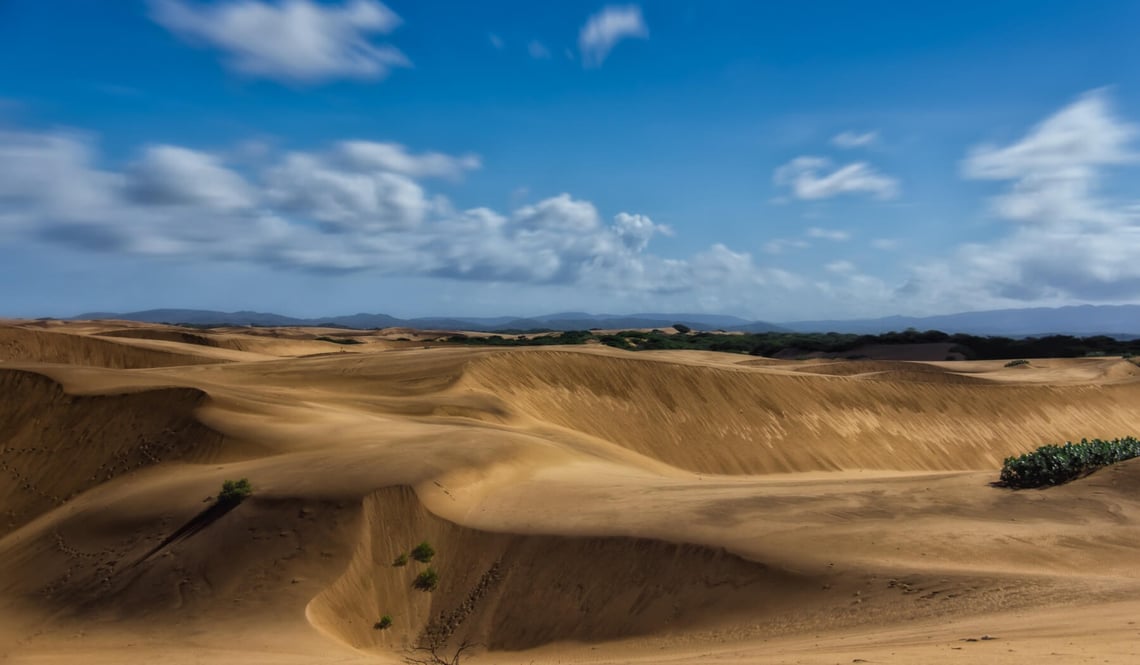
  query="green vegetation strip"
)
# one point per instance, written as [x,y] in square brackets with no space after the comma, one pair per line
[1054,465]
[339,340]
[972,347]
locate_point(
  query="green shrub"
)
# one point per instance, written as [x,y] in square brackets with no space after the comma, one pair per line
[1053,465]
[423,552]
[682,328]
[427,580]
[235,491]
[384,623]
[1017,363]
[401,560]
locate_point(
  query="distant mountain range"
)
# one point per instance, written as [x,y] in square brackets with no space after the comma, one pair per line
[1116,320]
[1119,320]
[559,321]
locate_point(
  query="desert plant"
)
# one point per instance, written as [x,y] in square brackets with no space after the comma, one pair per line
[434,654]
[384,623]
[235,491]
[1054,465]
[423,552]
[1017,363]
[401,560]
[428,580]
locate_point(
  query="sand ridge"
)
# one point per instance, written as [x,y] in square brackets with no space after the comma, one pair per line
[586,504]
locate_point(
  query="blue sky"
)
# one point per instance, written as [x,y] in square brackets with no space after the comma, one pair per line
[771,160]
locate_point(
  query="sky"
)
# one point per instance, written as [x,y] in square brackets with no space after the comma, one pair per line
[775,161]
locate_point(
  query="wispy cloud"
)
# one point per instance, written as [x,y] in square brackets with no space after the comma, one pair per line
[851,139]
[835,235]
[811,178]
[496,41]
[841,267]
[395,158]
[604,30]
[1070,242]
[537,50]
[781,245]
[289,40]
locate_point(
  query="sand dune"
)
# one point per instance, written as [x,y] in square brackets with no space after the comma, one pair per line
[585,504]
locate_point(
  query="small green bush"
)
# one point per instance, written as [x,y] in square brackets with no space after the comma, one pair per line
[427,580]
[423,552]
[235,491]
[1017,363]
[401,560]
[384,623]
[1054,465]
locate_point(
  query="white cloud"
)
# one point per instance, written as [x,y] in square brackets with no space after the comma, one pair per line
[342,200]
[290,40]
[53,175]
[806,180]
[636,231]
[373,156]
[604,30]
[885,244]
[537,50]
[836,235]
[560,213]
[169,175]
[496,41]
[854,139]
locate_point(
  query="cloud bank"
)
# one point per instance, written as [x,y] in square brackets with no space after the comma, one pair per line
[354,206]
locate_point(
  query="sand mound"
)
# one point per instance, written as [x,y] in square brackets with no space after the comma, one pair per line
[57,445]
[161,334]
[920,352]
[24,345]
[885,370]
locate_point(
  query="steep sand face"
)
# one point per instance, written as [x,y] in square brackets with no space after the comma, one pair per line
[30,345]
[511,592]
[586,505]
[57,445]
[713,421]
